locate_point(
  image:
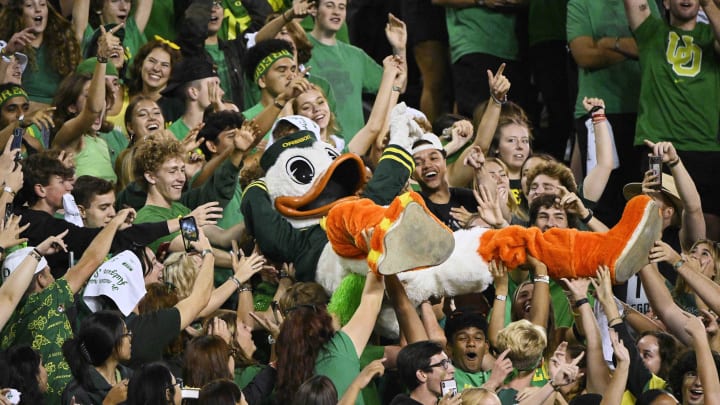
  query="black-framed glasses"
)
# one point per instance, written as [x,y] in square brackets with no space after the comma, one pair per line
[444,363]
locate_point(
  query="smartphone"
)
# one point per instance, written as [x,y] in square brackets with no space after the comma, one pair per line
[8,211]
[448,386]
[655,164]
[13,396]
[17,142]
[189,232]
[190,393]
[162,251]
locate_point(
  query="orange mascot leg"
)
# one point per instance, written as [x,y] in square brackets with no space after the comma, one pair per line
[571,253]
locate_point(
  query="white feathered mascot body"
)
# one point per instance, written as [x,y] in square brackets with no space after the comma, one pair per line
[305,178]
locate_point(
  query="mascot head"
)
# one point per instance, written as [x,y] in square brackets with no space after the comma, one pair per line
[306,177]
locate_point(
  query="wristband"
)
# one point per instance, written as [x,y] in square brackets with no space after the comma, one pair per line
[237,282]
[581,302]
[501,297]
[278,105]
[552,384]
[246,287]
[396,88]
[205,252]
[542,279]
[674,163]
[588,217]
[598,118]
[102,59]
[283,274]
[500,102]
[8,190]
[35,254]
[617,318]
[678,264]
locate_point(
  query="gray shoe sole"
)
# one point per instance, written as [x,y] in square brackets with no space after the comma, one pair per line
[415,240]
[635,255]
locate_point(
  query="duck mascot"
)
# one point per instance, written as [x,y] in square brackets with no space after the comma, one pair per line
[314,208]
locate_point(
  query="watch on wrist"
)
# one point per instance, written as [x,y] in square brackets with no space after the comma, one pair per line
[501,297]
[205,252]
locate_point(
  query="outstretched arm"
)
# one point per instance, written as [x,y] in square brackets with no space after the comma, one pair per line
[410,324]
[360,326]
[69,135]
[96,252]
[460,175]
[142,13]
[637,11]
[191,306]
[693,222]
[80,16]
[597,178]
[385,99]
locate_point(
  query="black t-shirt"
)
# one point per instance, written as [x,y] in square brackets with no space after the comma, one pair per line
[151,334]
[459,197]
[402,399]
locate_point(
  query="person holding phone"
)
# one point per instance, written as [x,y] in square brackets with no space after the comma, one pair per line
[424,368]
[160,171]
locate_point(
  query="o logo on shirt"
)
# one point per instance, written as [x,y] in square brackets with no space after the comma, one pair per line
[685,57]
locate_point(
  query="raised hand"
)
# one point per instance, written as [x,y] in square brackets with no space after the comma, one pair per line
[219,327]
[622,355]
[396,32]
[499,274]
[664,149]
[590,102]
[20,40]
[578,287]
[246,267]
[207,214]
[475,158]
[10,231]
[603,286]
[376,368]
[53,244]
[462,215]
[662,252]
[488,207]
[498,83]
[501,369]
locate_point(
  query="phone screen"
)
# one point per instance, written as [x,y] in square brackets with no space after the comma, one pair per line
[8,211]
[447,386]
[189,232]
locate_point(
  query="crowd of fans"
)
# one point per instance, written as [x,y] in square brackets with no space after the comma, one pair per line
[132,272]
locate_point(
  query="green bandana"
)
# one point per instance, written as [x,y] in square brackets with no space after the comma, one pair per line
[268,61]
[14,91]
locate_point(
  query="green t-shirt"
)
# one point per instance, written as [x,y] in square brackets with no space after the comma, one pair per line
[481,30]
[546,20]
[339,361]
[350,72]
[41,322]
[619,84]
[41,80]
[179,129]
[116,143]
[231,212]
[162,20]
[467,380]
[680,88]
[133,41]
[153,213]
[94,159]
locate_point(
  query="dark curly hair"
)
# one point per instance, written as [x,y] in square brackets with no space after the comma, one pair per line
[686,362]
[59,37]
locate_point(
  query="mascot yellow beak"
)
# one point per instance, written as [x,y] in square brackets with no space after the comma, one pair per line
[341,182]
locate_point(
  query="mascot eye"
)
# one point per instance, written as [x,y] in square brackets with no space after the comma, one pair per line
[333,154]
[300,170]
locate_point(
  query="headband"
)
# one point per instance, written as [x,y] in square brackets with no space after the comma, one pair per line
[268,61]
[14,91]
[171,44]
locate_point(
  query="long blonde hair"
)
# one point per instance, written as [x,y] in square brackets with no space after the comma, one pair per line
[180,271]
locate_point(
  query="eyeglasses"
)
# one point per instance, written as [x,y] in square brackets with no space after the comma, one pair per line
[444,363]
[217,3]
